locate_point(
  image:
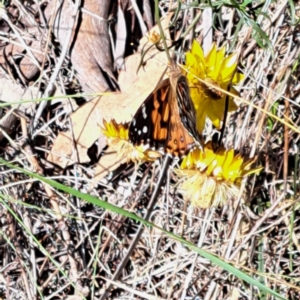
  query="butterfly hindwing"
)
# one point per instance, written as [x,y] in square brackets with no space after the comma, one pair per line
[180,139]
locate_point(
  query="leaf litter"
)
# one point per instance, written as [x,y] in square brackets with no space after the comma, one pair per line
[87,242]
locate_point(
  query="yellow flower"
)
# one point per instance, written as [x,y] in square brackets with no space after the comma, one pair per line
[154,37]
[118,140]
[209,178]
[114,131]
[217,71]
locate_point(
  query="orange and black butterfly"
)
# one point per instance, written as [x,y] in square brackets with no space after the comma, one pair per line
[167,118]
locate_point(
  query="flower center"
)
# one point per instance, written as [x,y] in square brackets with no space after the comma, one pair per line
[215,92]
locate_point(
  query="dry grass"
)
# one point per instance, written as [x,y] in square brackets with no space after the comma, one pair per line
[54,245]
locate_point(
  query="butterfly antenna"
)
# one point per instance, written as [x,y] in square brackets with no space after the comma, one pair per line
[166,163]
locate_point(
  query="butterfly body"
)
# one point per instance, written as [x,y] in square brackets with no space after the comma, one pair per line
[166,121]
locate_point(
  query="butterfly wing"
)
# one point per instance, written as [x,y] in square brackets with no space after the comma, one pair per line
[182,134]
[167,119]
[187,111]
[151,121]
[179,140]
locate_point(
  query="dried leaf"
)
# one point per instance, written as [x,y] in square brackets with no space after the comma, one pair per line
[13,92]
[119,106]
[91,52]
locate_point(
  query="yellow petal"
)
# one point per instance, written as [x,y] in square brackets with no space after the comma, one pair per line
[228,67]
[251,171]
[221,53]
[211,62]
[217,69]
[229,158]
[195,67]
[216,114]
[197,50]
[237,78]
[192,67]
[220,158]
[211,57]
[201,116]
[234,170]
[205,197]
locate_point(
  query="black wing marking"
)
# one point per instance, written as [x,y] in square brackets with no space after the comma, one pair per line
[149,126]
[187,109]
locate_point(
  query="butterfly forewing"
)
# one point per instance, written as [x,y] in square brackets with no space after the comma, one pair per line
[150,123]
[186,108]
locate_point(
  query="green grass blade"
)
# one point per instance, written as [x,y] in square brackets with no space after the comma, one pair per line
[214,259]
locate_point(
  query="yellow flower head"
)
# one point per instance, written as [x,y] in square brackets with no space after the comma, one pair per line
[217,71]
[118,140]
[210,178]
[154,37]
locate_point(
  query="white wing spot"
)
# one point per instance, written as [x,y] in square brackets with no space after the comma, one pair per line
[133,122]
[144,111]
[145,129]
[139,132]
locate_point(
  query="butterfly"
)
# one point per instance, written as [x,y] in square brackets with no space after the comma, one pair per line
[166,120]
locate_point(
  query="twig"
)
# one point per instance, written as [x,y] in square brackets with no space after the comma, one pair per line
[65,48]
[4,16]
[256,226]
[139,16]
